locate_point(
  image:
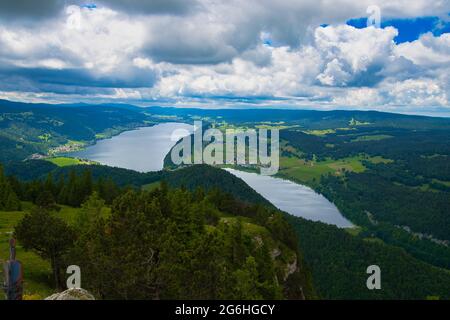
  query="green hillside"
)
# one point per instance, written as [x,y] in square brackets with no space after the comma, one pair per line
[27,129]
[176,243]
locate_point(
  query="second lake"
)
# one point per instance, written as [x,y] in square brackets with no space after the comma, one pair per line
[294,198]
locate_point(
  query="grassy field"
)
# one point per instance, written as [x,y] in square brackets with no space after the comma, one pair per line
[66,161]
[274,126]
[324,132]
[309,172]
[151,186]
[354,231]
[446,183]
[37,272]
[375,137]
[38,280]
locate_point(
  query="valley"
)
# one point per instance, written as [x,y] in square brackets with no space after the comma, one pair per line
[386,174]
[199,156]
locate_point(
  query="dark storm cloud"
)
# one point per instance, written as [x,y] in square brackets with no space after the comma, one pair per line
[23,79]
[199,39]
[186,52]
[401,69]
[176,7]
[29,9]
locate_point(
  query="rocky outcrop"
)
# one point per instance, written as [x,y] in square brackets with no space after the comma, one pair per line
[275,253]
[72,294]
[290,268]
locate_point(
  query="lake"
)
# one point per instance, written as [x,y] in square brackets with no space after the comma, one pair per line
[144,150]
[294,198]
[141,150]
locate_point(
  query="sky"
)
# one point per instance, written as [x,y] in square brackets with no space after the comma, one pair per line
[318,54]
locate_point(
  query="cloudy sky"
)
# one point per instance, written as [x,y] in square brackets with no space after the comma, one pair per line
[235,53]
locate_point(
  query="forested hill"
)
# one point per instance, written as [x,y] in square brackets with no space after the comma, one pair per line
[191,178]
[27,129]
[209,178]
[308,119]
[387,173]
[337,259]
[162,243]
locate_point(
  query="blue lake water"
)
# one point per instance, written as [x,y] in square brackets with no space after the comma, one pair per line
[141,150]
[294,198]
[144,150]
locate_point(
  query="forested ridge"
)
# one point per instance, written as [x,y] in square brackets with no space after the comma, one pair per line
[387,173]
[27,129]
[167,243]
[337,260]
[34,172]
[399,192]
[399,204]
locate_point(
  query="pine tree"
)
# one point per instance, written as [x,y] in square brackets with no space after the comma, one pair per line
[45,200]
[107,190]
[87,186]
[47,235]
[12,202]
[72,193]
[238,248]
[60,185]
[119,254]
[8,198]
[49,184]
[16,186]
[90,211]
[246,281]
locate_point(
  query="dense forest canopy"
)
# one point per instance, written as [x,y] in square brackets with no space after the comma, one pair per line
[164,243]
[401,198]
[336,259]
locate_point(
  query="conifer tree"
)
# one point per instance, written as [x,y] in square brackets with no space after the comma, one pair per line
[45,200]
[48,236]
[49,184]
[246,281]
[8,198]
[90,211]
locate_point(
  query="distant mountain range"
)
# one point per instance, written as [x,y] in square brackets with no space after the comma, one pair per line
[27,129]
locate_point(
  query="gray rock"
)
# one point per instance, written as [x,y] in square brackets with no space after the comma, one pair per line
[72,294]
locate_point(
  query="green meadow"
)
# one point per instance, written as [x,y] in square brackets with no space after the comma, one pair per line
[37,272]
[67,161]
[309,172]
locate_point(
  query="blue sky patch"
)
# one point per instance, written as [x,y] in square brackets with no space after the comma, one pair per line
[409,29]
[90,6]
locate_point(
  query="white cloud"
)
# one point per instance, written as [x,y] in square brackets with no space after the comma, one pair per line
[126,94]
[349,51]
[102,39]
[428,50]
[337,56]
[359,97]
[287,74]
[168,51]
[418,92]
